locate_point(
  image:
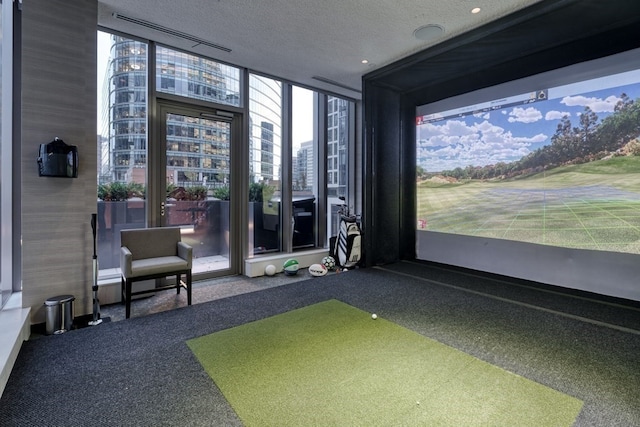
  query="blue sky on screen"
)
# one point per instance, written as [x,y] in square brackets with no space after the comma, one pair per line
[507,134]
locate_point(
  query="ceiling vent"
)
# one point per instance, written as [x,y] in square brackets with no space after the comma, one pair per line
[335,83]
[171,32]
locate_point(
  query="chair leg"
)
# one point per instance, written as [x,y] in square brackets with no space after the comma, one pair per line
[122,290]
[189,287]
[127,310]
[178,276]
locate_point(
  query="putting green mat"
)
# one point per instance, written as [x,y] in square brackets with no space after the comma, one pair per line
[331,364]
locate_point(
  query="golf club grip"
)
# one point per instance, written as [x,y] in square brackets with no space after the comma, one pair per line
[93,227]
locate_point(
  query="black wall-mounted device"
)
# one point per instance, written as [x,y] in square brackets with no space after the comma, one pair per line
[58,159]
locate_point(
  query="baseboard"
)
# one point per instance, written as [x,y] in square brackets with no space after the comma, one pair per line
[16,328]
[254,267]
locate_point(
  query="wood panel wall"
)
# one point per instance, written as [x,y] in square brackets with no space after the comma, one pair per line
[58,100]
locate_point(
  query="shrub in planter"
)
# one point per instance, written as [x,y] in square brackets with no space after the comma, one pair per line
[221,193]
[120,191]
[196,193]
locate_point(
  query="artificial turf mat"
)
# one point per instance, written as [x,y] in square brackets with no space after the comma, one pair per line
[331,364]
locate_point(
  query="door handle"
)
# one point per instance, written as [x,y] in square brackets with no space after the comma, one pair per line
[162,209]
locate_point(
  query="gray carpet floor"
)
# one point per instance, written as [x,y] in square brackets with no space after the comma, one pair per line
[139,372]
[202,291]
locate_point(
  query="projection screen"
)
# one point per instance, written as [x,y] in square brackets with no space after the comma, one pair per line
[537,178]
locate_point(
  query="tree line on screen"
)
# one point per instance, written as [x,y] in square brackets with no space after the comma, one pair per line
[615,135]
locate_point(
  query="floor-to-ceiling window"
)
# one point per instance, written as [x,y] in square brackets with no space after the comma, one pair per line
[278,117]
[195,154]
[5,291]
[305,164]
[339,136]
[191,156]
[265,165]
[314,119]
[122,143]
[8,284]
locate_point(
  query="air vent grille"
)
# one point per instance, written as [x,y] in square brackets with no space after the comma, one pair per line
[335,83]
[169,31]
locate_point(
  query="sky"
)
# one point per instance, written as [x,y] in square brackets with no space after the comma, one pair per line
[508,134]
[302,117]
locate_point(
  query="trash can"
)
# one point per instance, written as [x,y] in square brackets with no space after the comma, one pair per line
[59,312]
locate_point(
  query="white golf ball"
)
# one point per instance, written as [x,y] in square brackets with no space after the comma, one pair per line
[270,270]
[374,316]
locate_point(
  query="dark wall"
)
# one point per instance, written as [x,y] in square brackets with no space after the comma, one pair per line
[382,128]
[548,35]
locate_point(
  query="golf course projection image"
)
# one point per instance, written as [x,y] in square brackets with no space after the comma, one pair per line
[556,166]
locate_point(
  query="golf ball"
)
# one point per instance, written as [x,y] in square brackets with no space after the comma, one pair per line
[374,316]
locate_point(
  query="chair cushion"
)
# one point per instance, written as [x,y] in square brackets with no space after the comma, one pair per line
[158,265]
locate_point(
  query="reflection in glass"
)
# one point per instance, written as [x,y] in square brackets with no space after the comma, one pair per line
[196,77]
[122,144]
[196,152]
[337,164]
[198,182]
[304,162]
[265,154]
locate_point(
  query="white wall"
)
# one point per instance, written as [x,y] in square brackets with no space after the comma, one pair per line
[607,273]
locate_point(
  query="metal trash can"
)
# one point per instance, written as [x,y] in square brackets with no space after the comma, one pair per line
[59,312]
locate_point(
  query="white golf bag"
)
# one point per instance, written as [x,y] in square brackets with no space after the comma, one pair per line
[348,246]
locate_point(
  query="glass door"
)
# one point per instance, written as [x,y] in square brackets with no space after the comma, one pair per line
[194,185]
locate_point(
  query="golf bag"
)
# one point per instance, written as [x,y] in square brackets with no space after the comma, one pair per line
[348,245]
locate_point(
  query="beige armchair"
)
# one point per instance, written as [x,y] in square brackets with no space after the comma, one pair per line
[153,253]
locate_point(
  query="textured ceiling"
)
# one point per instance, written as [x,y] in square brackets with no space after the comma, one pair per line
[302,40]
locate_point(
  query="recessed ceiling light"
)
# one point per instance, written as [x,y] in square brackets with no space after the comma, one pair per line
[428,32]
[365,61]
[476,10]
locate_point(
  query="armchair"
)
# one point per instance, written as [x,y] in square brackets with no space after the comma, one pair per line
[153,253]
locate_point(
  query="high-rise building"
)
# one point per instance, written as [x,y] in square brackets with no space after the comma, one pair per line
[197,154]
[337,137]
[190,158]
[126,84]
[266,151]
[306,170]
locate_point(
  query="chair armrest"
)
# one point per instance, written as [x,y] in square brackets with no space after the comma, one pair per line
[125,261]
[185,252]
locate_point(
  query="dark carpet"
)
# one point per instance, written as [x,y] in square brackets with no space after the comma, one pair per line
[141,372]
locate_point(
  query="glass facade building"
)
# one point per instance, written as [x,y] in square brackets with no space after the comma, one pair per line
[337,141]
[126,140]
[265,129]
[197,154]
[124,149]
